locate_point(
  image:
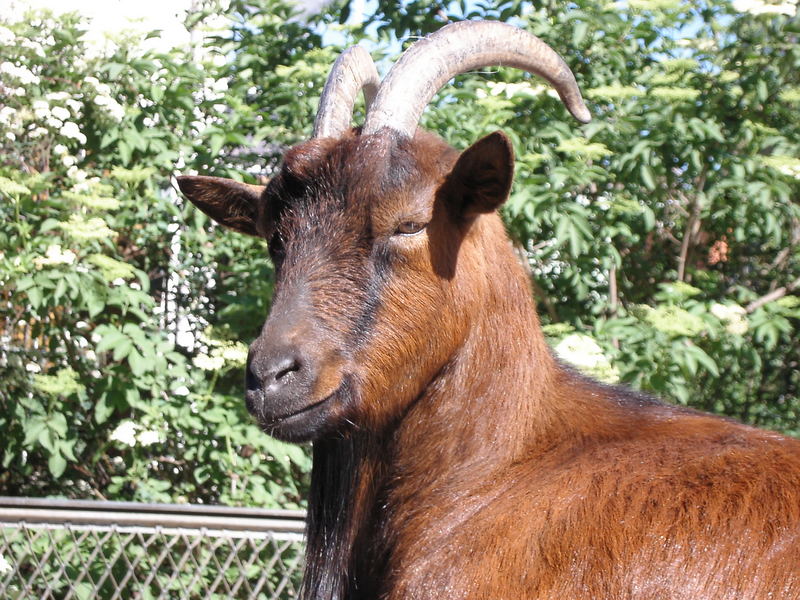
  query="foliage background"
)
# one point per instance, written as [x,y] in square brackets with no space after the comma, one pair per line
[663,237]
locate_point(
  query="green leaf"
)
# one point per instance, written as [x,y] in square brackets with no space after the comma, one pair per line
[705,360]
[114,69]
[102,411]
[95,303]
[125,151]
[46,439]
[110,136]
[647,177]
[135,139]
[57,464]
[24,283]
[58,423]
[215,143]
[761,90]
[156,93]
[35,296]
[33,428]
[137,363]
[67,448]
[112,338]
[61,287]
[123,348]
[579,33]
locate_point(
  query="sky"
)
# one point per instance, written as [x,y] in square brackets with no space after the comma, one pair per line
[119,15]
[114,16]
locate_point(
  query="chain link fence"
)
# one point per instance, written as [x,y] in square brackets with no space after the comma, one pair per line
[85,550]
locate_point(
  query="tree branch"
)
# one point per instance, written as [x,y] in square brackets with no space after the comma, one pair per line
[772,296]
[613,294]
[692,227]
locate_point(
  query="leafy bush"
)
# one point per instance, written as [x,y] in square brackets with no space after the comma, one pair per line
[123,307]
[679,198]
[662,237]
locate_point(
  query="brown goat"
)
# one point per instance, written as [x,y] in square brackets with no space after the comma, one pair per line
[454,457]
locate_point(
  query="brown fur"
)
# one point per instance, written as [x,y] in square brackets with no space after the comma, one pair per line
[454,457]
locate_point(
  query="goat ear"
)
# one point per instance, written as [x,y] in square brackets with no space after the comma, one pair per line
[481,178]
[228,202]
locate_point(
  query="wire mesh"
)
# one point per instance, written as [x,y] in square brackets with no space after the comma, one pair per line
[66,561]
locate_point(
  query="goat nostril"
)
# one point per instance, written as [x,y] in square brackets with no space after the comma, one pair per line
[292,367]
[276,373]
[251,380]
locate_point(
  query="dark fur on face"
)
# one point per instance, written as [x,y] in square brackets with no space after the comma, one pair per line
[331,218]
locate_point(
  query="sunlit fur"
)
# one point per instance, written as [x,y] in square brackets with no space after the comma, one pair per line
[462,460]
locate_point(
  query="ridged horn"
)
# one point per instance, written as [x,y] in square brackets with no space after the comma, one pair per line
[426,66]
[352,72]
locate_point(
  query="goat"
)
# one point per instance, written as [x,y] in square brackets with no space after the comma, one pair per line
[453,456]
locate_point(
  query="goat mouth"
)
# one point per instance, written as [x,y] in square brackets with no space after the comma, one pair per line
[311,421]
[278,419]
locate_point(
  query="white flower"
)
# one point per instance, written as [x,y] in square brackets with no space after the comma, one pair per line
[57,96]
[181,391]
[22,74]
[76,174]
[85,185]
[37,132]
[208,363]
[33,45]
[59,149]
[74,105]
[148,438]
[236,353]
[55,256]
[125,432]
[762,7]
[101,88]
[32,367]
[10,136]
[7,36]
[41,110]
[733,315]
[215,87]
[788,165]
[59,112]
[509,90]
[7,113]
[54,123]
[68,160]
[112,106]
[5,566]
[71,130]
[739,327]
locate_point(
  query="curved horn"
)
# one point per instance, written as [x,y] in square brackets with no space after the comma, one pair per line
[431,62]
[352,72]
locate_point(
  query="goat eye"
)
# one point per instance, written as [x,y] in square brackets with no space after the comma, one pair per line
[409,228]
